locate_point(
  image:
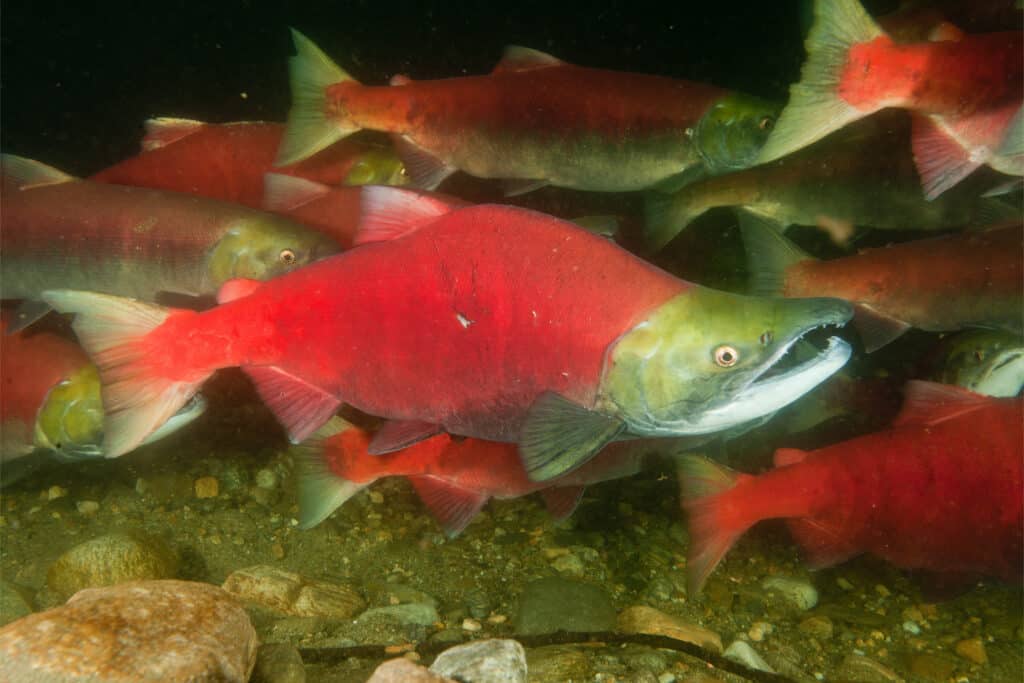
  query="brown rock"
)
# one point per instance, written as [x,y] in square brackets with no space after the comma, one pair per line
[933,667]
[403,671]
[865,670]
[972,649]
[166,631]
[109,560]
[641,619]
[207,487]
[819,627]
[290,593]
[558,663]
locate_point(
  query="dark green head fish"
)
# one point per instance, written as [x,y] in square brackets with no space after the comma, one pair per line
[989,362]
[730,135]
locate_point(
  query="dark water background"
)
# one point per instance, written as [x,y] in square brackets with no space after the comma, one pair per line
[79,78]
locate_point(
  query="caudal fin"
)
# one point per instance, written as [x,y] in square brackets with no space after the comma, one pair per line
[815,108]
[113,331]
[321,489]
[712,529]
[310,129]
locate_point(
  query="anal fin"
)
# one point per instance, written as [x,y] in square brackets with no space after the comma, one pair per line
[300,406]
[398,434]
[941,160]
[822,546]
[562,501]
[452,506]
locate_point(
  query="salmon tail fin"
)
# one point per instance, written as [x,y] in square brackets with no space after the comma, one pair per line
[667,215]
[769,254]
[114,331]
[815,108]
[712,533]
[24,173]
[1013,140]
[321,489]
[310,129]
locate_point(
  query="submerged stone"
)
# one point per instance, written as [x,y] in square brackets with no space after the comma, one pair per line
[558,604]
[293,594]
[109,560]
[483,661]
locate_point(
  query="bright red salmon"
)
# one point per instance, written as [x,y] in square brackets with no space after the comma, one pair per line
[535,120]
[941,490]
[973,279]
[967,93]
[487,321]
[454,477]
[227,161]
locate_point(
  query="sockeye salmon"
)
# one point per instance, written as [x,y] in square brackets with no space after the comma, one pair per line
[227,161]
[488,321]
[973,279]
[535,120]
[941,490]
[62,232]
[966,94]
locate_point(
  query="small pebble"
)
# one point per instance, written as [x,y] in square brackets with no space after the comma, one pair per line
[972,649]
[819,627]
[797,592]
[758,630]
[376,497]
[55,492]
[844,584]
[882,591]
[741,652]
[667,677]
[207,487]
[266,479]
[469,624]
[277,550]
[911,627]
[87,507]
[497,619]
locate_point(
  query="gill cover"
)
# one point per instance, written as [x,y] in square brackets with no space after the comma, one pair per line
[730,135]
[263,248]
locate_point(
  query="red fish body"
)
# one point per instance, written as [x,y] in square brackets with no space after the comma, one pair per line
[941,490]
[223,161]
[454,477]
[966,93]
[939,284]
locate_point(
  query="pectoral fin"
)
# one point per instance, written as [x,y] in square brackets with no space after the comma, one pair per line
[558,436]
[27,313]
[876,329]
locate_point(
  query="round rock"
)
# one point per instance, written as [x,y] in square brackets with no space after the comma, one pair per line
[166,631]
[483,661]
[109,560]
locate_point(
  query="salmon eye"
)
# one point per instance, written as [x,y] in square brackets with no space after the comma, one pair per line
[726,356]
[287,257]
[766,338]
[766,123]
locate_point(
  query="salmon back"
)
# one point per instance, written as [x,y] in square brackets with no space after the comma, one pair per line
[227,162]
[463,323]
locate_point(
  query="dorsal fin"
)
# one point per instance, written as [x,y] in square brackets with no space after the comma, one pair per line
[392,212]
[27,173]
[929,403]
[399,79]
[286,192]
[164,130]
[236,289]
[519,58]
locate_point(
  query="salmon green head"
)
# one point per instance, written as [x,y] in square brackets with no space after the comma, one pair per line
[377,167]
[70,421]
[989,362]
[700,364]
[69,424]
[730,135]
[262,247]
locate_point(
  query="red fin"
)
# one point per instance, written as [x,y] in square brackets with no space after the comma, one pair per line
[518,58]
[425,170]
[236,289]
[945,32]
[941,161]
[398,434]
[300,407]
[285,192]
[399,79]
[785,457]
[711,534]
[929,403]
[453,507]
[876,329]
[823,547]
[164,130]
[561,501]
[391,212]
